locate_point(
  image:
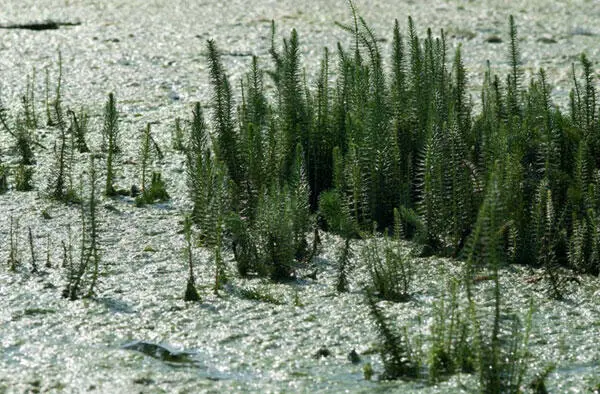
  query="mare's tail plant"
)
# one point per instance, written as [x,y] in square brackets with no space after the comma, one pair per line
[61,184]
[83,273]
[344,257]
[191,294]
[177,136]
[79,129]
[226,144]
[389,269]
[398,358]
[24,142]
[207,179]
[28,102]
[110,134]
[155,191]
[451,350]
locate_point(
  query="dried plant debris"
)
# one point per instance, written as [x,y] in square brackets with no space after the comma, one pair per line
[41,25]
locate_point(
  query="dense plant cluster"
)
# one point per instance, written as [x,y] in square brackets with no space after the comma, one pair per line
[406,139]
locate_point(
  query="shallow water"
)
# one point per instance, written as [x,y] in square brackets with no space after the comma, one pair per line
[151,52]
[240,345]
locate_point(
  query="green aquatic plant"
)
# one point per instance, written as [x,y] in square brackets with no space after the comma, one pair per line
[53,105]
[79,129]
[208,182]
[547,235]
[93,249]
[389,270]
[515,76]
[110,135]
[503,358]
[47,103]
[261,294]
[177,136]
[24,142]
[343,261]
[28,103]
[398,359]
[191,294]
[226,144]
[272,242]
[156,190]
[451,333]
[60,185]
[292,113]
[82,273]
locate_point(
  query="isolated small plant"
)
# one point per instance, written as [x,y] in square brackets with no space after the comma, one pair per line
[178,136]
[259,294]
[110,134]
[389,270]
[92,246]
[145,155]
[24,141]
[344,256]
[83,273]
[22,135]
[79,129]
[54,106]
[338,220]
[28,102]
[156,190]
[503,361]
[61,183]
[396,354]
[191,294]
[451,349]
